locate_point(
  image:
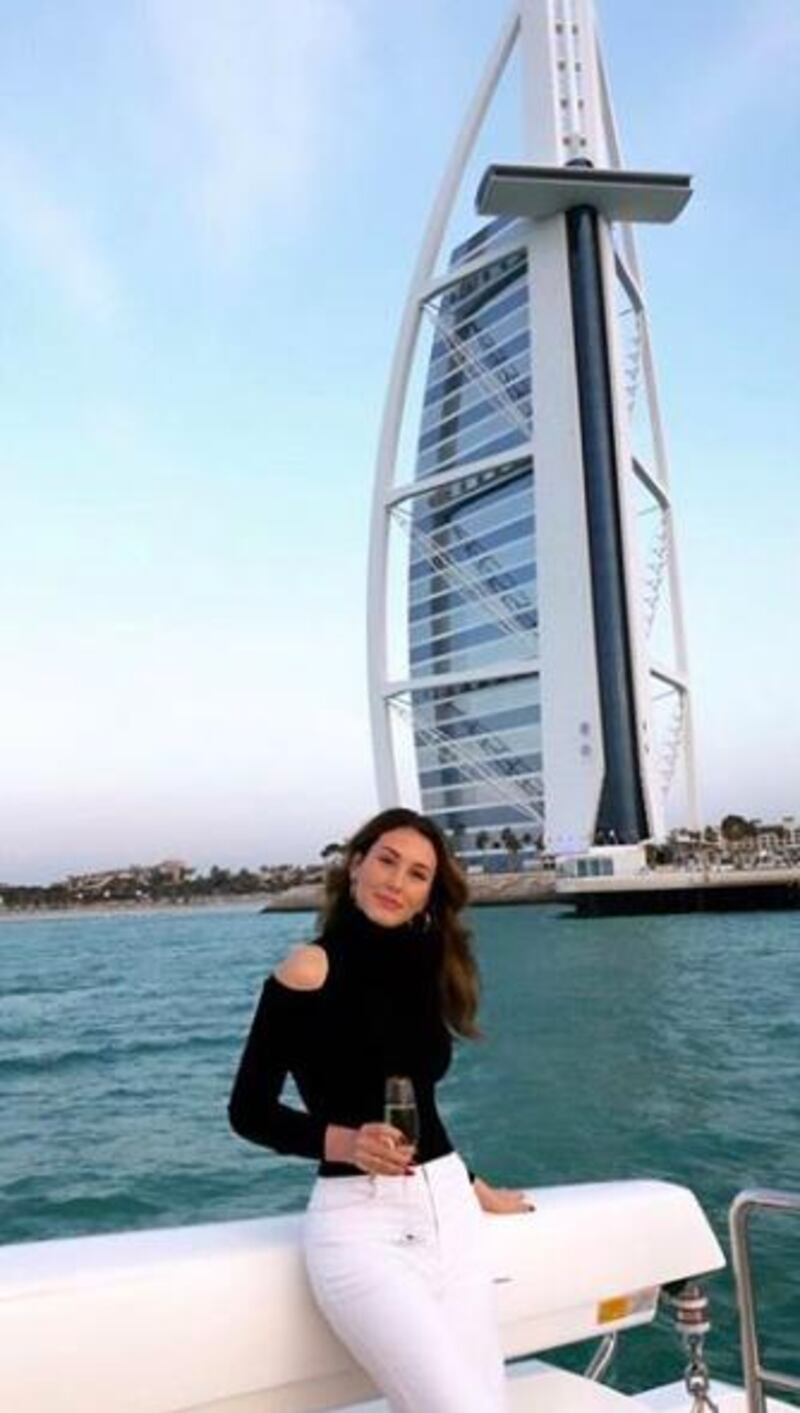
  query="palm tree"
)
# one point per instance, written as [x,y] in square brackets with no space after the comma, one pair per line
[457,836]
[734,828]
[330,849]
[513,846]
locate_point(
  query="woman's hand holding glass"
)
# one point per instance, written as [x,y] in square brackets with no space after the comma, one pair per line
[379,1149]
[383,1149]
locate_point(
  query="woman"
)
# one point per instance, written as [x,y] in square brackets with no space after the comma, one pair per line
[393,1231]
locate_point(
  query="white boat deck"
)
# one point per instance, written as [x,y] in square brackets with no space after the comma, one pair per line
[673,1398]
[539,1388]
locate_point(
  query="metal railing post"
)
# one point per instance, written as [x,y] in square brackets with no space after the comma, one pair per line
[755,1375]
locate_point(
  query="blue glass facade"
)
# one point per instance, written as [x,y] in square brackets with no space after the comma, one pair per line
[472,609]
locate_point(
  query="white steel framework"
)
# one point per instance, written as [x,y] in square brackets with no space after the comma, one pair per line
[502,632]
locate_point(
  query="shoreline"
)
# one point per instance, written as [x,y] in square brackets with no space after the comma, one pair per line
[486,890]
[137,907]
[662,890]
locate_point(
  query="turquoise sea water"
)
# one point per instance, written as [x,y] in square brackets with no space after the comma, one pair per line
[632,1047]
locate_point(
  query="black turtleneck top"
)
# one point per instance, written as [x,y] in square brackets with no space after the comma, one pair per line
[378,1013]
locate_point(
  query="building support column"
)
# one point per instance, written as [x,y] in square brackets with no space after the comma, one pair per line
[622,815]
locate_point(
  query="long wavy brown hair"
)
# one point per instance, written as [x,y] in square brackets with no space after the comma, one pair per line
[458,977]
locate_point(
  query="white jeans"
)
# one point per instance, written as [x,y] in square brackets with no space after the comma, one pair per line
[397,1268]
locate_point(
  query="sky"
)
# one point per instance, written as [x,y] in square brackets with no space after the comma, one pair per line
[209,216]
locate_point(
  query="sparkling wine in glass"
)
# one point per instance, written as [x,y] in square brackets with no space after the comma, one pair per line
[400,1107]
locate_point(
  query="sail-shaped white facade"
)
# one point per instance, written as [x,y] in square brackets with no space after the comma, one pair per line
[528,675]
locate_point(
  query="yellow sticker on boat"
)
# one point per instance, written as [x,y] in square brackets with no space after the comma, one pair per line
[615,1308]
[618,1307]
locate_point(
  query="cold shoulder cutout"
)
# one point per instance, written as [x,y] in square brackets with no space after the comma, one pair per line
[305,969]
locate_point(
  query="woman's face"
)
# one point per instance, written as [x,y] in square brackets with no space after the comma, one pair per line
[391,883]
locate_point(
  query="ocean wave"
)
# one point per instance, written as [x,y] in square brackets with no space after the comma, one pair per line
[35,989]
[84,1214]
[80,1056]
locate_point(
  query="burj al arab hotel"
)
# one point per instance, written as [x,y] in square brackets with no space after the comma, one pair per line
[527,660]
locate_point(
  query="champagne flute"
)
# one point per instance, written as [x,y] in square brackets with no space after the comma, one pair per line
[400,1107]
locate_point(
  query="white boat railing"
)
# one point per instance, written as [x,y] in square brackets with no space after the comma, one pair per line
[757,1379]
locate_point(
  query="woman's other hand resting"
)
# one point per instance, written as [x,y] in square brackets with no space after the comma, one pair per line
[502,1200]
